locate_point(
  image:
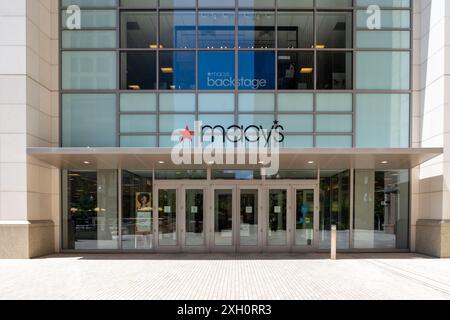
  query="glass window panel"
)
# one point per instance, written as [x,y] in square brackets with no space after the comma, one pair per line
[334,29]
[304,217]
[224,120]
[249,208]
[257,3]
[223,217]
[177,70]
[294,175]
[295,29]
[195,217]
[295,3]
[334,123]
[266,121]
[137,213]
[383,70]
[382,120]
[138,102]
[138,29]
[235,174]
[295,70]
[137,123]
[334,3]
[91,19]
[381,217]
[216,29]
[256,29]
[177,3]
[90,3]
[334,208]
[334,70]
[138,71]
[88,39]
[167,211]
[88,120]
[277,219]
[216,70]
[297,123]
[216,3]
[180,174]
[138,141]
[170,123]
[297,141]
[177,29]
[90,213]
[383,39]
[216,102]
[256,70]
[295,102]
[179,102]
[88,70]
[334,142]
[384,3]
[257,102]
[334,102]
[390,19]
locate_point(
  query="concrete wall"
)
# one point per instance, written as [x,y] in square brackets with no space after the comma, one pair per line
[29,201]
[431,126]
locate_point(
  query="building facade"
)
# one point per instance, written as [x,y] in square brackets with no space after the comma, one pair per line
[223,126]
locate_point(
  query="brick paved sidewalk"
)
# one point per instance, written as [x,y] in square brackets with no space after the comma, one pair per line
[253,276]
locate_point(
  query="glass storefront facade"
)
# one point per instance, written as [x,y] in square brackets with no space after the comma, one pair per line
[137,70]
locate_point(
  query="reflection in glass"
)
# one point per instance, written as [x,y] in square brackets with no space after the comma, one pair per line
[216,70]
[195,235]
[295,30]
[334,70]
[249,218]
[334,29]
[256,30]
[295,70]
[167,210]
[334,207]
[177,29]
[138,29]
[137,213]
[304,218]
[223,217]
[90,215]
[216,29]
[256,70]
[177,70]
[138,71]
[381,209]
[277,222]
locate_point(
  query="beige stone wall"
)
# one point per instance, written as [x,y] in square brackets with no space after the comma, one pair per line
[431,125]
[29,113]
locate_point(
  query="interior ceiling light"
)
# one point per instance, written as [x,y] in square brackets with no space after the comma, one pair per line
[134,87]
[167,70]
[154,46]
[306,70]
[319,46]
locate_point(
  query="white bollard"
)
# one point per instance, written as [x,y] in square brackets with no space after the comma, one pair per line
[333,242]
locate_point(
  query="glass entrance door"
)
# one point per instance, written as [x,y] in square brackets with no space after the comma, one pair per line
[306,222]
[278,228]
[167,205]
[249,205]
[223,224]
[193,226]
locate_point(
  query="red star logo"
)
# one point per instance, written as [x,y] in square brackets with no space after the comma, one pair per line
[186,134]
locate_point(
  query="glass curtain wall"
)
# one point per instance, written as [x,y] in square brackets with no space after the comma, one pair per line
[328,65]
[90,210]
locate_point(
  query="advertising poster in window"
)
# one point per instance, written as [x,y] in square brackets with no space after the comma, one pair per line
[143,212]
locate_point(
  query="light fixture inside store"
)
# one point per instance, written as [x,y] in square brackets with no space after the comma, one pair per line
[134,87]
[306,70]
[384,162]
[86,162]
[161,162]
[167,70]
[310,162]
[319,46]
